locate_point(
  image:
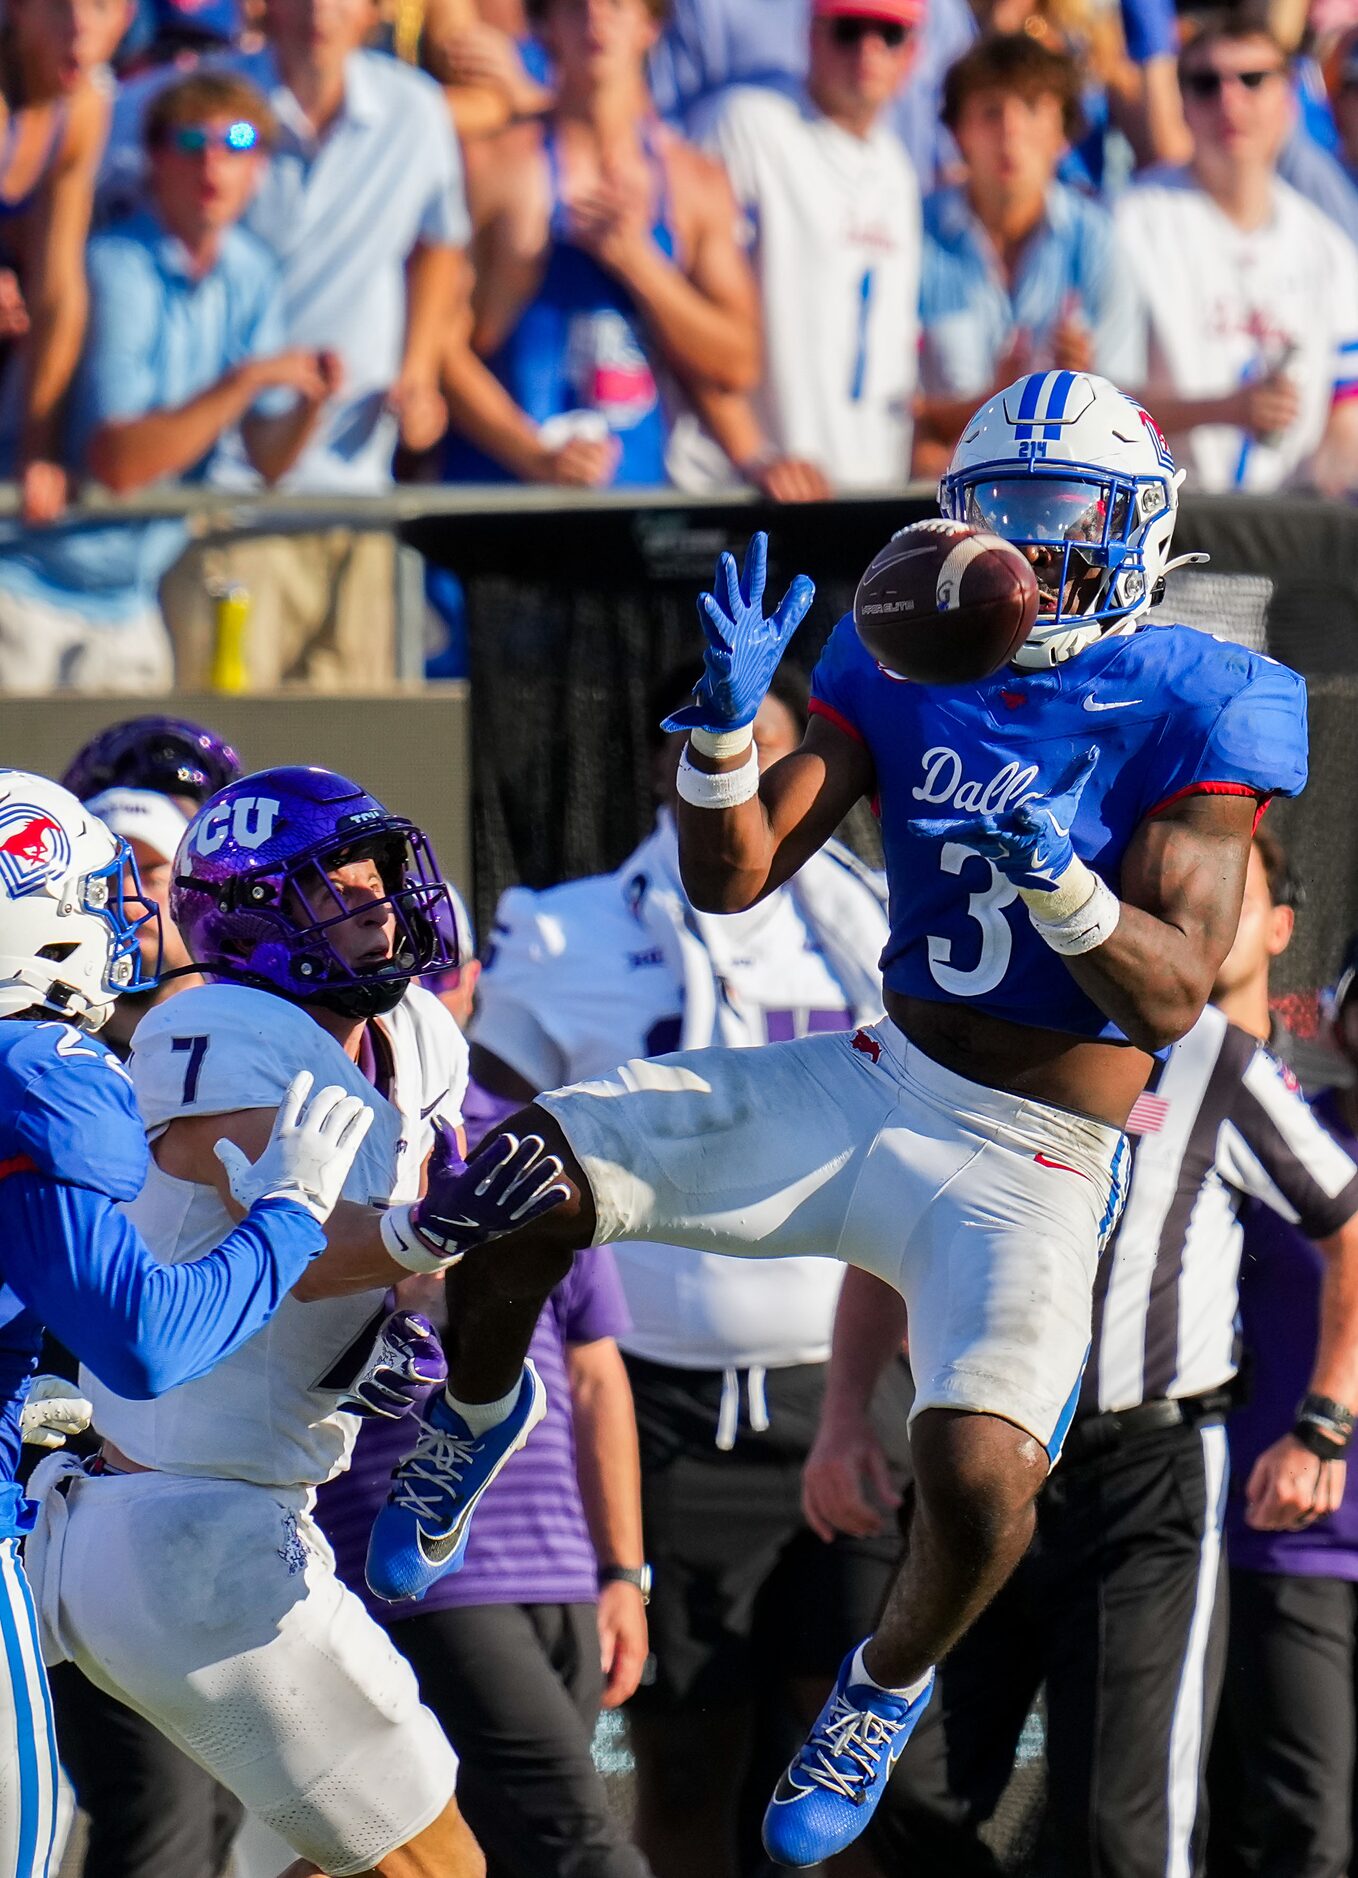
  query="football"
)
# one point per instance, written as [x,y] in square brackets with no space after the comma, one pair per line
[944,604]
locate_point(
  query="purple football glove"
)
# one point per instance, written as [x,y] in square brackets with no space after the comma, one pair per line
[1030,845]
[507,1183]
[405,1362]
[743,648]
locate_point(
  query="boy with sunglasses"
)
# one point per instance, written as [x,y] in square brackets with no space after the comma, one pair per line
[1249,294]
[184,342]
[822,174]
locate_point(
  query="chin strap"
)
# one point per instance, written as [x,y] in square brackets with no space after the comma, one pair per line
[1184,560]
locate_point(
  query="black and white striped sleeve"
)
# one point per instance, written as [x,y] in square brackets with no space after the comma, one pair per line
[1273,1147]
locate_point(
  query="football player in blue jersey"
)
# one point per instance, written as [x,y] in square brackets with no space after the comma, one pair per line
[1066,845]
[71,1146]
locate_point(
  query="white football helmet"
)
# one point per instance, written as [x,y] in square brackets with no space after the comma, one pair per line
[69,932]
[1076,474]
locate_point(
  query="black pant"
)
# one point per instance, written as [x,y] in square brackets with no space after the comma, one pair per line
[1283,1763]
[1116,1609]
[516,1687]
[153,1812]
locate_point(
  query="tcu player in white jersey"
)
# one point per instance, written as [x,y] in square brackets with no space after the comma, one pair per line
[824,175]
[191,1582]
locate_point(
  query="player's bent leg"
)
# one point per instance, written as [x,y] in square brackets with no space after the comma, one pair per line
[494,1397]
[28,1751]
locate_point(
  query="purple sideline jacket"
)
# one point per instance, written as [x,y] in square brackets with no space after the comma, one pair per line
[1280,1280]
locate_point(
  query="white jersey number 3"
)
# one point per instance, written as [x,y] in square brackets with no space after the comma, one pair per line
[987,909]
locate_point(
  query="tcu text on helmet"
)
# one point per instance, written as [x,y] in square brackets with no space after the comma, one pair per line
[248,822]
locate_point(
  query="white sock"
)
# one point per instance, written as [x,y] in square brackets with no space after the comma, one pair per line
[859,1672]
[480,1417]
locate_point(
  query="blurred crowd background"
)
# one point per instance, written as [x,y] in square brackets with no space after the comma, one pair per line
[319,247]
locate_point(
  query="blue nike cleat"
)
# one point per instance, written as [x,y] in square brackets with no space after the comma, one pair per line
[421,1532]
[831,1790]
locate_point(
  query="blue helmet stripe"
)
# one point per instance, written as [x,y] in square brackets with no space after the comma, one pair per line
[1056,403]
[1027,411]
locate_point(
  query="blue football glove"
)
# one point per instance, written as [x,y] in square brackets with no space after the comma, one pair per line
[405,1362]
[1029,845]
[743,648]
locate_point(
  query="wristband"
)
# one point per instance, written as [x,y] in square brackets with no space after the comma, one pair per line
[403,1241]
[702,790]
[1332,1421]
[719,743]
[1318,1441]
[1080,914]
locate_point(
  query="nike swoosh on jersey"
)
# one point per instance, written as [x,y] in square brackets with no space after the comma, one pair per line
[426,1113]
[1117,704]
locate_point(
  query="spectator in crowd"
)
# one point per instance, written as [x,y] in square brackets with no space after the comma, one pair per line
[822,177]
[492,77]
[185,339]
[1341,70]
[1020,272]
[1252,331]
[1282,1793]
[605,256]
[1116,1607]
[727,1361]
[55,118]
[508,1651]
[363,207]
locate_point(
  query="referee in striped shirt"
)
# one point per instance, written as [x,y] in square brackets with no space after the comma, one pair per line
[1118,1606]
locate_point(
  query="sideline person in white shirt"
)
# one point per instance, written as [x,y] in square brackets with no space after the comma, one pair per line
[727,1361]
[833,210]
[1249,293]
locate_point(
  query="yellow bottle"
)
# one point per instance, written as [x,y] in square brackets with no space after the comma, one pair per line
[230,665]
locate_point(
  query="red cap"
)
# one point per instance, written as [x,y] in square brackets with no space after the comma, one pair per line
[903,12]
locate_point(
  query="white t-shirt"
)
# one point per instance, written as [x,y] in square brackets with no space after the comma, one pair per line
[835,234]
[1224,305]
[575,985]
[267,1413]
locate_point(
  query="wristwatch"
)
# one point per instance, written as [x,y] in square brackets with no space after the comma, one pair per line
[636,1575]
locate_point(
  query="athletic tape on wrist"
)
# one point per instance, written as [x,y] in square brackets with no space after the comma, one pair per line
[403,1241]
[1322,1439]
[1071,931]
[702,790]
[719,743]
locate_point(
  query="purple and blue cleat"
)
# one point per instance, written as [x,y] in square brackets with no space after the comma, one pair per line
[830,1791]
[422,1531]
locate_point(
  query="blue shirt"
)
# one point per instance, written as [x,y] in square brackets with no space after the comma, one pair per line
[969,313]
[157,337]
[342,214]
[71,1144]
[1176,711]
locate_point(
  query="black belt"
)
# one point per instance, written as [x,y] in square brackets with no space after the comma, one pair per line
[1093,1436]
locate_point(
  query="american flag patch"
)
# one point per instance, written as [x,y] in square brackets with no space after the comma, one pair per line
[1148,1115]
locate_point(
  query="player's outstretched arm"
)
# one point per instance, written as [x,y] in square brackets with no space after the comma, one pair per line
[141,1326]
[144,1327]
[742,834]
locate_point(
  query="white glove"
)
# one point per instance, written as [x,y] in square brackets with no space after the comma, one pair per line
[53,1409]
[309,1153]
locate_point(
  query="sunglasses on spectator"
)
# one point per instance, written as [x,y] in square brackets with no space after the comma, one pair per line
[852,30]
[193,139]
[1210,84]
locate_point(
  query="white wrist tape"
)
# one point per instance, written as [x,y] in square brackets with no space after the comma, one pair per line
[718,743]
[705,791]
[1080,913]
[408,1247]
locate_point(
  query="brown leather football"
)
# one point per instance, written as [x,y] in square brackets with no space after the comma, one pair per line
[945,604]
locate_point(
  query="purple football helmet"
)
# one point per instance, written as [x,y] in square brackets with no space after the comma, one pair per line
[167,754]
[254,902]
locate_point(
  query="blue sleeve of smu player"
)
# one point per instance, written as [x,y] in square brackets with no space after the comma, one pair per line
[71,1144]
[1253,738]
[840,672]
[143,1327]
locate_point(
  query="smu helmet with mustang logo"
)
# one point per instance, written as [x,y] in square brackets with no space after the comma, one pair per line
[1079,478]
[254,903]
